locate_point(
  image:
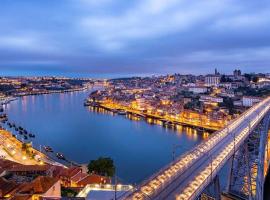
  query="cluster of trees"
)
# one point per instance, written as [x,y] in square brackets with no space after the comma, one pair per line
[228,103]
[103,166]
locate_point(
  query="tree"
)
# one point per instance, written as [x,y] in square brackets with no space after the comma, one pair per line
[255,79]
[102,166]
[67,192]
[228,103]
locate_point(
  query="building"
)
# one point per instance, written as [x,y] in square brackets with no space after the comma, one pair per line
[104,191]
[41,187]
[237,72]
[212,80]
[249,101]
[210,99]
[7,188]
[75,177]
[198,90]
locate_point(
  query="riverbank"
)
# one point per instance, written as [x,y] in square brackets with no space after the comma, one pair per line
[164,120]
[81,135]
[14,97]
[50,92]
[15,150]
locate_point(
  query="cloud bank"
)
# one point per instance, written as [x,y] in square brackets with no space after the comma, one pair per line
[134,37]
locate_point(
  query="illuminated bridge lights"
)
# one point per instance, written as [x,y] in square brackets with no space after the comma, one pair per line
[194,185]
[240,127]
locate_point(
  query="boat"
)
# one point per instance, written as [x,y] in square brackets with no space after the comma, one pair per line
[25,137]
[20,132]
[32,135]
[122,112]
[16,129]
[86,103]
[200,129]
[25,132]
[20,128]
[60,156]
[48,149]
[114,110]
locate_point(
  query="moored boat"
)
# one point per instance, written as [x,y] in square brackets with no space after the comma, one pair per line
[60,156]
[48,149]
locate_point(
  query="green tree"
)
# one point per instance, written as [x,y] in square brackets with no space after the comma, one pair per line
[67,192]
[102,166]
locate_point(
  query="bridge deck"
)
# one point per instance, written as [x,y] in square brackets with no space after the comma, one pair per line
[191,173]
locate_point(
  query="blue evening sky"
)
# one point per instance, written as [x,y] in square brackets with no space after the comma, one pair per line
[109,38]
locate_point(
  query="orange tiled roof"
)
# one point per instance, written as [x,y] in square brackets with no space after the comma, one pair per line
[23,168]
[38,186]
[7,164]
[7,187]
[79,177]
[73,171]
[93,178]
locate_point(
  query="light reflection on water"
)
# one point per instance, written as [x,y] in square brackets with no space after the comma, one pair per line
[84,133]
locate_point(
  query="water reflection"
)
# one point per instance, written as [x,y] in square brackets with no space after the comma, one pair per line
[192,133]
[84,133]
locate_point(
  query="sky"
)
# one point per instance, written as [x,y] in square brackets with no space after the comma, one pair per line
[110,38]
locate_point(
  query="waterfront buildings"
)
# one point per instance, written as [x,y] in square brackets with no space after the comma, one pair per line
[172,99]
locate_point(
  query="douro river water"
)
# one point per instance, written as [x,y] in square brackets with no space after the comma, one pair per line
[63,123]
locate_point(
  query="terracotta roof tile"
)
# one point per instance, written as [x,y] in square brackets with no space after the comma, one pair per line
[7,187]
[93,178]
[39,186]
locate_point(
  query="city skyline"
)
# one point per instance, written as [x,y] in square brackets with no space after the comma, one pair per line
[109,39]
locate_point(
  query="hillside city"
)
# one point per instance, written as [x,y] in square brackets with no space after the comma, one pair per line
[204,102]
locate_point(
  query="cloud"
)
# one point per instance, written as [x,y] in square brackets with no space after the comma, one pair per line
[26,42]
[135,36]
[148,19]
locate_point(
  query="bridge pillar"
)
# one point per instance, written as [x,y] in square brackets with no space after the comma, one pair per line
[246,175]
[212,192]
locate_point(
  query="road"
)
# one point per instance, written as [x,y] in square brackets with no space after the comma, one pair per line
[11,149]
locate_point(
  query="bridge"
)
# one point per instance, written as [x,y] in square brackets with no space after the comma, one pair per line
[242,144]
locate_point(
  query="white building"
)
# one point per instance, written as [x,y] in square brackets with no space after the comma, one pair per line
[198,90]
[250,101]
[212,80]
[210,99]
[238,103]
[101,192]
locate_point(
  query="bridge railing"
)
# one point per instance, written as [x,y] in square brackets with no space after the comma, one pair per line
[214,171]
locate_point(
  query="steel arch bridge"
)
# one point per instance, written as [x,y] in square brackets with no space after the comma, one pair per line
[243,143]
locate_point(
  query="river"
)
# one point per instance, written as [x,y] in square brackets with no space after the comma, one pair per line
[61,121]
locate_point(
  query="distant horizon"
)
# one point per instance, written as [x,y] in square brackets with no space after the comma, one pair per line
[113,75]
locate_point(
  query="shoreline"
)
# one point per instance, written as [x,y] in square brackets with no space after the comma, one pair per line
[9,99]
[52,92]
[13,148]
[165,121]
